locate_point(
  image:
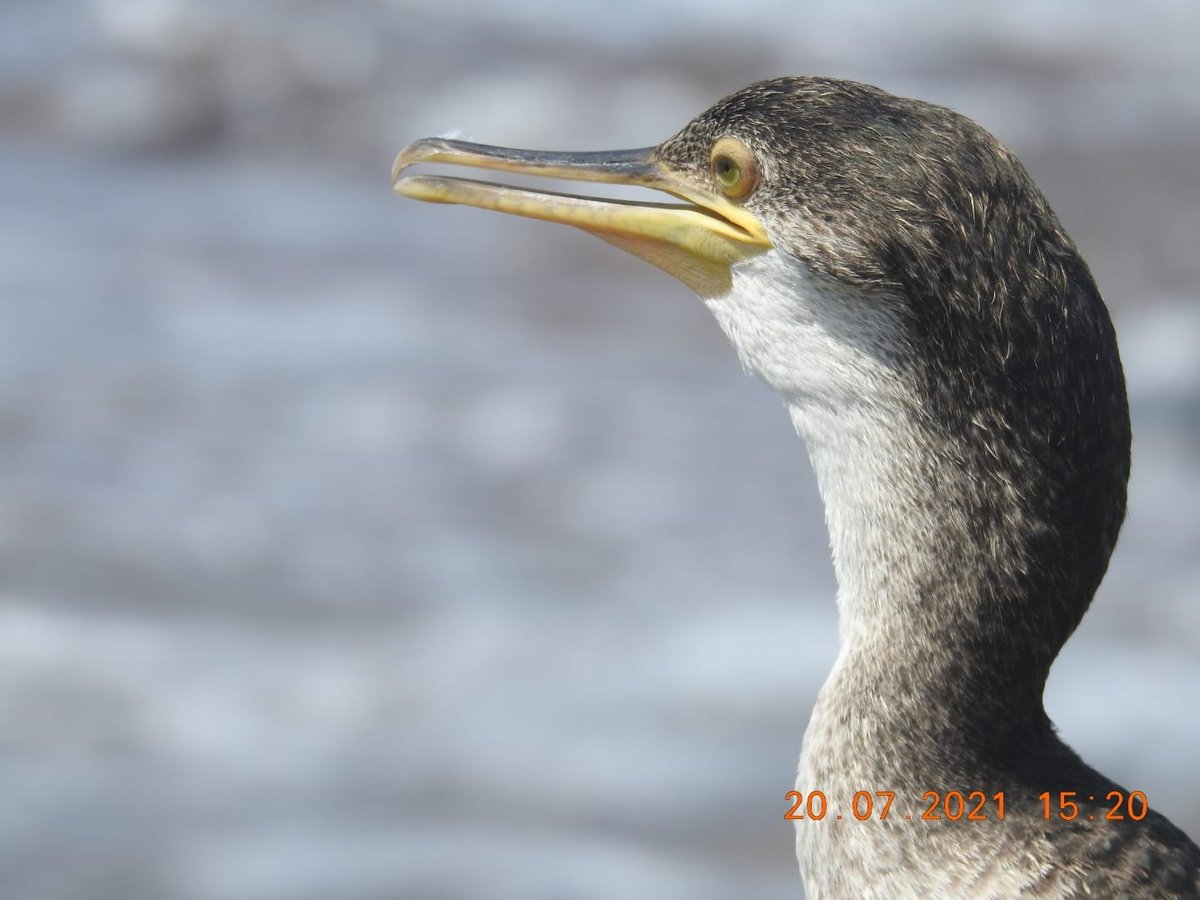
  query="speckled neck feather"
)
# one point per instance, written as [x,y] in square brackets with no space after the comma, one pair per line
[945,353]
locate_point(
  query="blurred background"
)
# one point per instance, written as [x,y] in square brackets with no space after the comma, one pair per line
[356,548]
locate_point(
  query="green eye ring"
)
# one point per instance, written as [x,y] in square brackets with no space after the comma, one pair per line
[734,168]
[727,172]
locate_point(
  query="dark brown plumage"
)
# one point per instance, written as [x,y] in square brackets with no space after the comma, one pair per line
[894,273]
[1017,436]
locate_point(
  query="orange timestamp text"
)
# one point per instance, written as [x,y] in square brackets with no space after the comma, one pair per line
[971,806]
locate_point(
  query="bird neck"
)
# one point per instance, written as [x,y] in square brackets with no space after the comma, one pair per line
[955,582]
[929,611]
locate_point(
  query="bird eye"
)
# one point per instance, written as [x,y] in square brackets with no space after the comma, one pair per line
[734,168]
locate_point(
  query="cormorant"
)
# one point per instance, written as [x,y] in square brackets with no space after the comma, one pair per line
[894,273]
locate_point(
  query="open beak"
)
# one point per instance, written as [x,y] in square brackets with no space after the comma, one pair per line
[696,240]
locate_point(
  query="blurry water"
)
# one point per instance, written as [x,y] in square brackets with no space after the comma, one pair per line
[357,548]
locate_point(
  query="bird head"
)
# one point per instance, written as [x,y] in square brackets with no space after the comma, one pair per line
[893,271]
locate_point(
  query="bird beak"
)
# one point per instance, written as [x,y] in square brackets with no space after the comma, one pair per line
[697,240]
